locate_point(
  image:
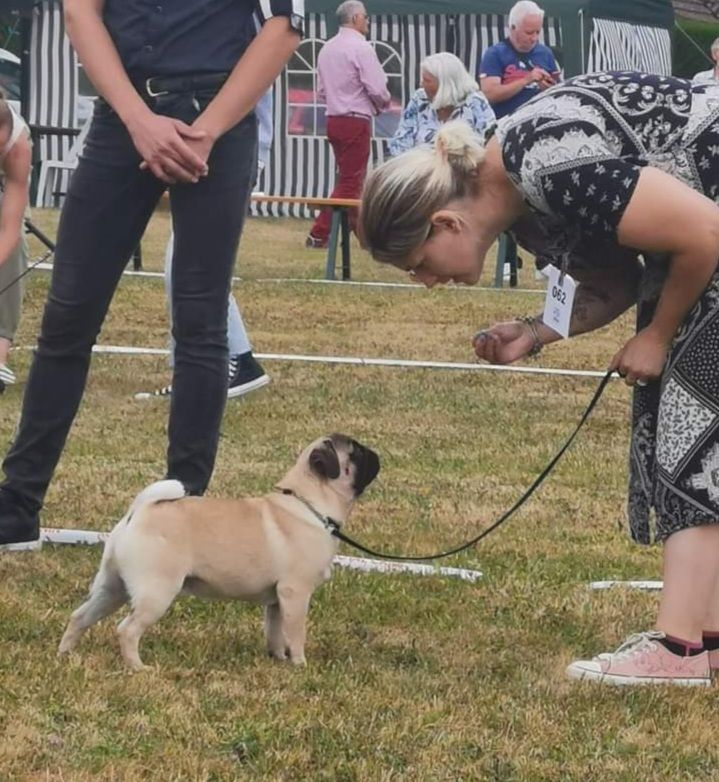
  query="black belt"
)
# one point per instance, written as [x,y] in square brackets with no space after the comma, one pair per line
[157,86]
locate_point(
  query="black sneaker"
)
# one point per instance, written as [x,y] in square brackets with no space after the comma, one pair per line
[19,526]
[246,375]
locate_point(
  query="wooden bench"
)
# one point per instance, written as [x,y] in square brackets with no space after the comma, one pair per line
[339,229]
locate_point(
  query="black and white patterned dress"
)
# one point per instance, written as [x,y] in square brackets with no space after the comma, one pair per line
[575,153]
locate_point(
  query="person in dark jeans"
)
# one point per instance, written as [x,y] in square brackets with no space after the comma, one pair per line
[178,87]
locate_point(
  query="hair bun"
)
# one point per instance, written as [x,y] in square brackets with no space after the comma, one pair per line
[459,145]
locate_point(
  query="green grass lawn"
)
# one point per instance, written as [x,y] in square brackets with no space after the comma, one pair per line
[408,678]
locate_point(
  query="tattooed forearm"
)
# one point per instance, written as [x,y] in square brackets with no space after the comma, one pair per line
[598,302]
[607,286]
[590,304]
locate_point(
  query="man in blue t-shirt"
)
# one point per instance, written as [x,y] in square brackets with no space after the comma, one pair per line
[510,73]
[519,67]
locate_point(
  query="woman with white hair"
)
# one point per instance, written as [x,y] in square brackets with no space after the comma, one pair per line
[447,92]
[712,75]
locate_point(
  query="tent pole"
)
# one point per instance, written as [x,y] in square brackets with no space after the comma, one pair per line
[25,41]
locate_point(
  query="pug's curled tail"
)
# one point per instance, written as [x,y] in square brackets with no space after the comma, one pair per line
[160,491]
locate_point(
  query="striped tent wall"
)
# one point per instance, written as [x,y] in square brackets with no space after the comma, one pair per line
[623,46]
[304,165]
[53,86]
[298,165]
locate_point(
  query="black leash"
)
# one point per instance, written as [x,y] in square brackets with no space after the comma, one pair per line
[334,528]
[30,267]
[30,228]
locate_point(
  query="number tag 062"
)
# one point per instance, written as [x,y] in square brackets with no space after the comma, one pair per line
[559,301]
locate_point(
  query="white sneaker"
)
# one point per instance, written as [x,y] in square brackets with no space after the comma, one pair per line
[159,393]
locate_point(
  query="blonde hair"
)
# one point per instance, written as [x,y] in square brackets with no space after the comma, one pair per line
[455,83]
[401,195]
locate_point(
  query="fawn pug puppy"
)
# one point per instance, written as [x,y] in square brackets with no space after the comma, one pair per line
[273,550]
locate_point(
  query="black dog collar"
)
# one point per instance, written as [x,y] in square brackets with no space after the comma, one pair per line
[332,526]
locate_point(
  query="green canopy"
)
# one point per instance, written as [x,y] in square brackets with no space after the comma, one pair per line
[23,6]
[654,13]
[574,15]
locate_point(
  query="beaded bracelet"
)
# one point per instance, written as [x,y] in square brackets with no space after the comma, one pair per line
[537,344]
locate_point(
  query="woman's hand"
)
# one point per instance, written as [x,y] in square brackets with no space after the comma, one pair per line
[642,359]
[503,343]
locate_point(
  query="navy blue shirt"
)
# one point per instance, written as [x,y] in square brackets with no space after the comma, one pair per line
[504,61]
[177,37]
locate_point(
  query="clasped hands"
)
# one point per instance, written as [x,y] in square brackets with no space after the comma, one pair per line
[172,150]
[639,362]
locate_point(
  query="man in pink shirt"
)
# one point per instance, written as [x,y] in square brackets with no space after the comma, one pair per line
[353,84]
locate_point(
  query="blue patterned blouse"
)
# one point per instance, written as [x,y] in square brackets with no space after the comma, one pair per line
[420,123]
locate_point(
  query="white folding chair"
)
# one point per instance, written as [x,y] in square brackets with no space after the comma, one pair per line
[50,170]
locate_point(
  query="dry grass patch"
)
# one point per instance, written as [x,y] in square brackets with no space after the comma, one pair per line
[408,679]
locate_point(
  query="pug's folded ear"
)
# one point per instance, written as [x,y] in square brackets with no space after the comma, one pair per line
[325,462]
[367,466]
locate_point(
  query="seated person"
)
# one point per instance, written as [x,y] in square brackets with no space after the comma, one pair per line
[448,91]
[712,75]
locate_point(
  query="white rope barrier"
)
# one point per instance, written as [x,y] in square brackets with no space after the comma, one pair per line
[129,351]
[80,537]
[648,586]
[412,285]
[416,568]
[369,362]
[305,281]
[391,362]
[362,564]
